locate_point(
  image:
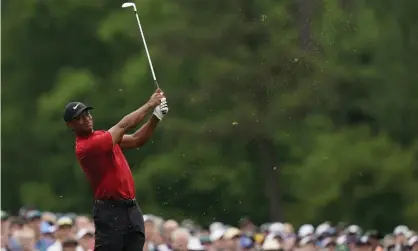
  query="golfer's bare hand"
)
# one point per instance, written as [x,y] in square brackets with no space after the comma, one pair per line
[156,98]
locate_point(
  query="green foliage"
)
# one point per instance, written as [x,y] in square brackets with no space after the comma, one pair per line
[330,131]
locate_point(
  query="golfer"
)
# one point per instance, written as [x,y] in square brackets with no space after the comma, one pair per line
[117,217]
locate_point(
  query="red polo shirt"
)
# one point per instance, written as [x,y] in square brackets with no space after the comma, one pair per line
[105,166]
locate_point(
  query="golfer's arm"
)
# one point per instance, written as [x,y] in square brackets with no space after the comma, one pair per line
[129,121]
[141,136]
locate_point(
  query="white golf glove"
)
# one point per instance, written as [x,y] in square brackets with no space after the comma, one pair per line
[161,110]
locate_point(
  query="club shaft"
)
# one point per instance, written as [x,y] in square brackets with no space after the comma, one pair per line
[146,49]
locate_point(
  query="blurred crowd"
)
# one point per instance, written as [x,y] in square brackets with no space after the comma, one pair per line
[33,230]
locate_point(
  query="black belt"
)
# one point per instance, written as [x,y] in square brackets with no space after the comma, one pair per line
[117,203]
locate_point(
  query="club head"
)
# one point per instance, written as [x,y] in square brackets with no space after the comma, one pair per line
[129,4]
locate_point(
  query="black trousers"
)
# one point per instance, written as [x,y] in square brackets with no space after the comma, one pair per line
[119,225]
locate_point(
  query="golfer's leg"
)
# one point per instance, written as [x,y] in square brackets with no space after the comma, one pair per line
[134,241]
[109,234]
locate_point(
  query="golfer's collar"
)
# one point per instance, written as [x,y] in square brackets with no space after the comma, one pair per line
[78,136]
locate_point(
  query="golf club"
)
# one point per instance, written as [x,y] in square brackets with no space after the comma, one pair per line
[130,4]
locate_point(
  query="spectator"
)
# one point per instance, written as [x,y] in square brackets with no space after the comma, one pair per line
[329,243]
[168,228]
[400,244]
[85,238]
[49,217]
[26,239]
[180,239]
[46,236]
[247,243]
[307,243]
[82,222]
[70,244]
[4,230]
[16,224]
[306,230]
[231,239]
[63,232]
[374,237]
[204,237]
[216,238]
[271,245]
[34,222]
[246,225]
[413,243]
[194,244]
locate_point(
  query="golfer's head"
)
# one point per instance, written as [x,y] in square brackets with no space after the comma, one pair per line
[78,118]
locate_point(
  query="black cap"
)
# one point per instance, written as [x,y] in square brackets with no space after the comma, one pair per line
[74,109]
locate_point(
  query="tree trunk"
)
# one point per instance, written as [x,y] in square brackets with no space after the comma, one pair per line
[267,159]
[305,9]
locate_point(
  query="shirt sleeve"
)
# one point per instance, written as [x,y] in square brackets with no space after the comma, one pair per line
[98,144]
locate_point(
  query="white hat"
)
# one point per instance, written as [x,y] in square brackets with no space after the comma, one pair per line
[215,226]
[64,221]
[148,217]
[401,229]
[83,232]
[194,244]
[217,234]
[353,229]
[271,244]
[322,228]
[231,233]
[306,230]
[413,240]
[276,227]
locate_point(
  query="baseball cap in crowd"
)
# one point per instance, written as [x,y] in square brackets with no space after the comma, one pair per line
[84,232]
[74,109]
[259,238]
[401,230]
[148,218]
[306,230]
[46,228]
[412,241]
[215,226]
[18,221]
[33,215]
[195,244]
[322,228]
[49,217]
[231,233]
[217,234]
[276,227]
[246,242]
[353,229]
[4,215]
[265,227]
[288,228]
[64,221]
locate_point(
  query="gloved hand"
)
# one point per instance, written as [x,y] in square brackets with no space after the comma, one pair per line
[161,110]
